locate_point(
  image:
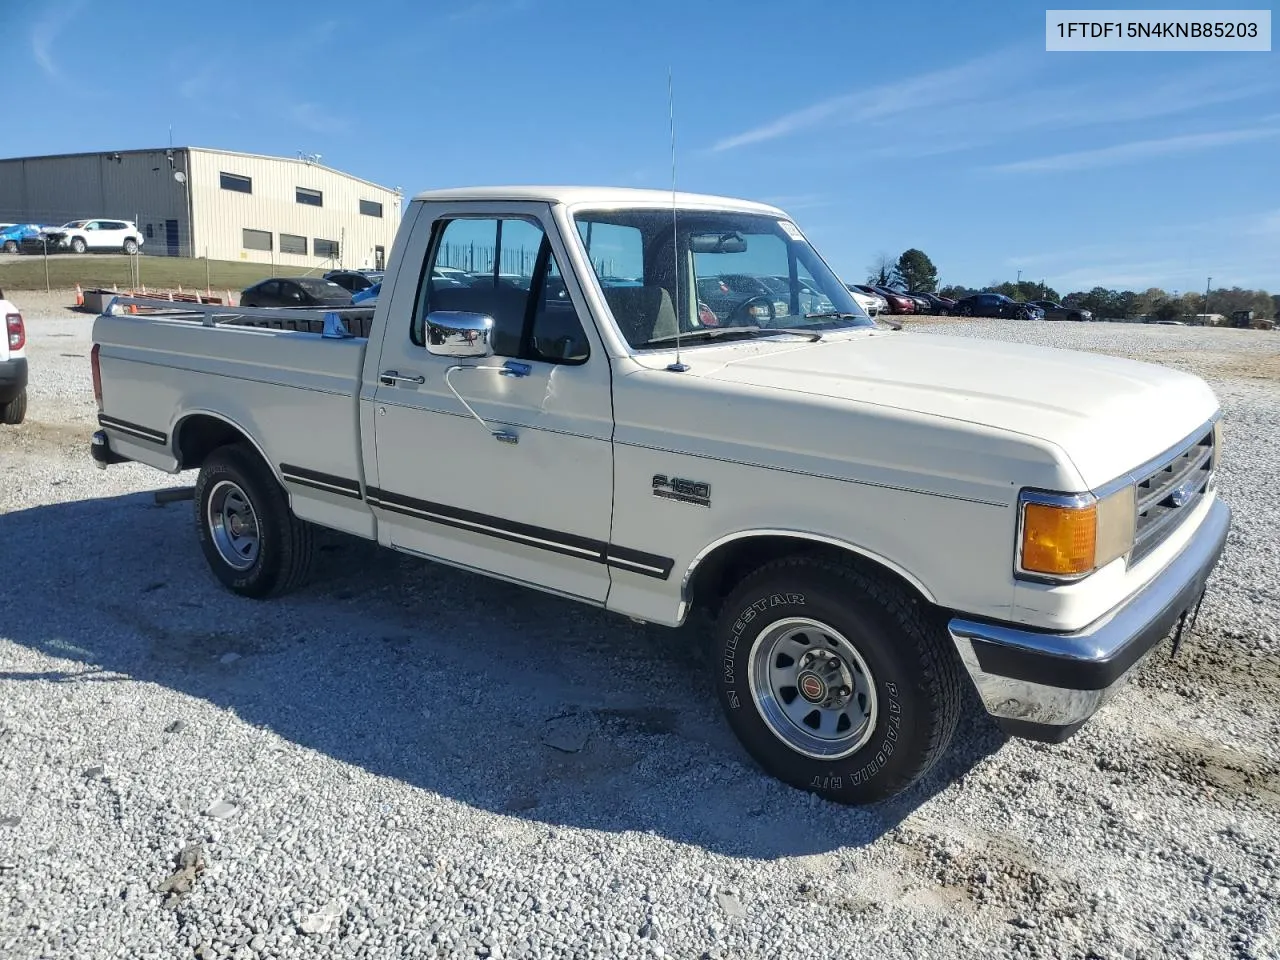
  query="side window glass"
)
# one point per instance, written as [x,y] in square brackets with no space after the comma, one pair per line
[557,335]
[490,266]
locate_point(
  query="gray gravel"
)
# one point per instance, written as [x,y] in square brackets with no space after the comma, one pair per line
[403,760]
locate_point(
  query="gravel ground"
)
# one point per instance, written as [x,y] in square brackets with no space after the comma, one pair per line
[404,760]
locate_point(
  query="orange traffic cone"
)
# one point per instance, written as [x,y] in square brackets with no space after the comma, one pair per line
[79,296]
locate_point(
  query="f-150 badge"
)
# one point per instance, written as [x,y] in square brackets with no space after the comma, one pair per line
[686,491]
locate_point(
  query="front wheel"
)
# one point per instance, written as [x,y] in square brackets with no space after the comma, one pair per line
[78,245]
[131,246]
[11,246]
[835,680]
[251,540]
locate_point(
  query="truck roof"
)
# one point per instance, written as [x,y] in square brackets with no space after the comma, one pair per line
[605,196]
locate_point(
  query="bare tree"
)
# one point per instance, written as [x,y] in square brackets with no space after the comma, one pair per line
[881,270]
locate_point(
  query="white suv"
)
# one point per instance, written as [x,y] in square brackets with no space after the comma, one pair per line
[13,364]
[83,235]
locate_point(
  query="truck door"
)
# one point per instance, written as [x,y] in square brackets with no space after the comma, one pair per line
[527,494]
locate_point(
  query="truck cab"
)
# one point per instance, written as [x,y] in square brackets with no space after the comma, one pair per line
[871,517]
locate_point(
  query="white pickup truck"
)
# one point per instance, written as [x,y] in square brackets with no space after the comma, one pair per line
[566,387]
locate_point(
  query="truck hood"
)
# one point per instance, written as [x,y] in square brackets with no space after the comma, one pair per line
[1107,414]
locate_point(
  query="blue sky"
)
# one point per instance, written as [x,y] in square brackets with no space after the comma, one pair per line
[942,126]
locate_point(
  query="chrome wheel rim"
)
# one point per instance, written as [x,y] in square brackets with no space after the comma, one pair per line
[233,524]
[813,688]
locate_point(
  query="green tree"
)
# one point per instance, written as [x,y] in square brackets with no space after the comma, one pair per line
[1023,290]
[915,272]
[1103,303]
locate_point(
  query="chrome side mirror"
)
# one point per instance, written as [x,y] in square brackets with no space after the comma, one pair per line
[457,333]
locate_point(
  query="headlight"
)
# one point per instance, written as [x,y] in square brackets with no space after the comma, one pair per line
[1068,536]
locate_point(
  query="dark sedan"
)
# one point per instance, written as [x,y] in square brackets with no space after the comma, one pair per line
[996,305]
[300,292]
[939,306]
[1056,311]
[354,280]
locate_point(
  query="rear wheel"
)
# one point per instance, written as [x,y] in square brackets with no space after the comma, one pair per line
[251,540]
[15,411]
[836,680]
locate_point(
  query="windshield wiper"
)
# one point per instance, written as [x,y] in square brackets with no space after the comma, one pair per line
[833,315]
[714,333]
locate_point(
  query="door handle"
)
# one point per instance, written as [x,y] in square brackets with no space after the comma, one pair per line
[393,376]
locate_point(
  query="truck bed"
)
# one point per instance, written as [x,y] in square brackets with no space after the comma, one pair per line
[270,373]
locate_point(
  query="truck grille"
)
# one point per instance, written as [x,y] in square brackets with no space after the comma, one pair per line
[1168,494]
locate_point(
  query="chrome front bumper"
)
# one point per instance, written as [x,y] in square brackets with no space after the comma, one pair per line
[1044,686]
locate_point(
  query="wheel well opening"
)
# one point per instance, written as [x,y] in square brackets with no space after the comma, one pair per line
[726,566]
[199,436]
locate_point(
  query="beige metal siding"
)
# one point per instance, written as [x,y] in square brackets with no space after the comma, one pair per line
[137,186]
[221,215]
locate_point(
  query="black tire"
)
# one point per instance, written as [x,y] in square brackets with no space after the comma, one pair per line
[131,246]
[15,411]
[11,246]
[285,543]
[915,672]
[78,245]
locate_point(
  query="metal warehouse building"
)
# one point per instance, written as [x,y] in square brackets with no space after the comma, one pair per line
[195,201]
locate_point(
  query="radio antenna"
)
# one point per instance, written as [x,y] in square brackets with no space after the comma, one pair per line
[678,366]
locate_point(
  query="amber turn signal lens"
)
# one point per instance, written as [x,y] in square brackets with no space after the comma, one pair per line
[1058,540]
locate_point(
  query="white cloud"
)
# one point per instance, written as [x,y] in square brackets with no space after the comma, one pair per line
[914,95]
[44,35]
[1135,150]
[1003,94]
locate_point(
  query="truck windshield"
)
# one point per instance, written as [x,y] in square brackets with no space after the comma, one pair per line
[731,274]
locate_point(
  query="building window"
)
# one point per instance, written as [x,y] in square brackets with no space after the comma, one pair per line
[150,232]
[233,181]
[256,239]
[328,249]
[370,208]
[312,198]
[290,243]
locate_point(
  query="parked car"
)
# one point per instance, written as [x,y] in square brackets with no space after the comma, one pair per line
[80,236]
[295,292]
[354,280]
[1056,311]
[996,305]
[873,520]
[14,236]
[934,304]
[811,299]
[864,295]
[735,298]
[13,364]
[898,301]
[368,294]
